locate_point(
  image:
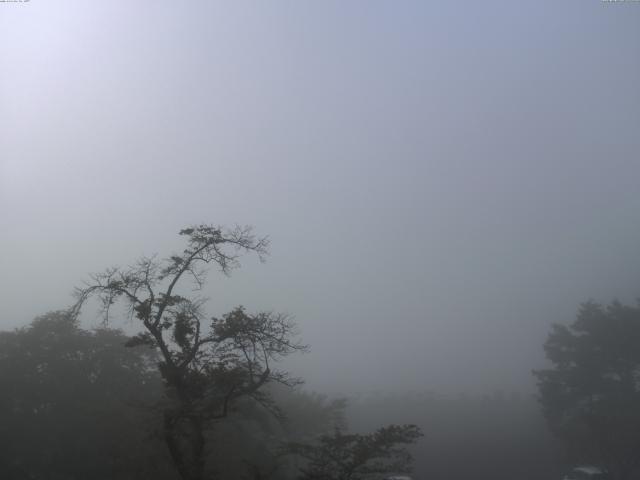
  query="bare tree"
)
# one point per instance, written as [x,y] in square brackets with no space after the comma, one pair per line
[206,365]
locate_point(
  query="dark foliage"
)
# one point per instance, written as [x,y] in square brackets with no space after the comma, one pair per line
[75,404]
[78,404]
[591,395]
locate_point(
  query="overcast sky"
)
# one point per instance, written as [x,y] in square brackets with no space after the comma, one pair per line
[441,181]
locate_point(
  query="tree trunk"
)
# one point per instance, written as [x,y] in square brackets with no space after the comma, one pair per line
[185,440]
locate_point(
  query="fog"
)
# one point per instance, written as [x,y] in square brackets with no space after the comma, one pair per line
[440,181]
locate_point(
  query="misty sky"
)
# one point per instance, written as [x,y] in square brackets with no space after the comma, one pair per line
[441,181]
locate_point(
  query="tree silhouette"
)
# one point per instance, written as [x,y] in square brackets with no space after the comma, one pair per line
[206,365]
[591,395]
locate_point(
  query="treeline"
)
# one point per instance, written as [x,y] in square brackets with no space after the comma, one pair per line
[74,404]
[78,404]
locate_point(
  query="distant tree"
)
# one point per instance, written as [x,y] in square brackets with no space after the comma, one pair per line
[352,456]
[70,404]
[591,394]
[206,367]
